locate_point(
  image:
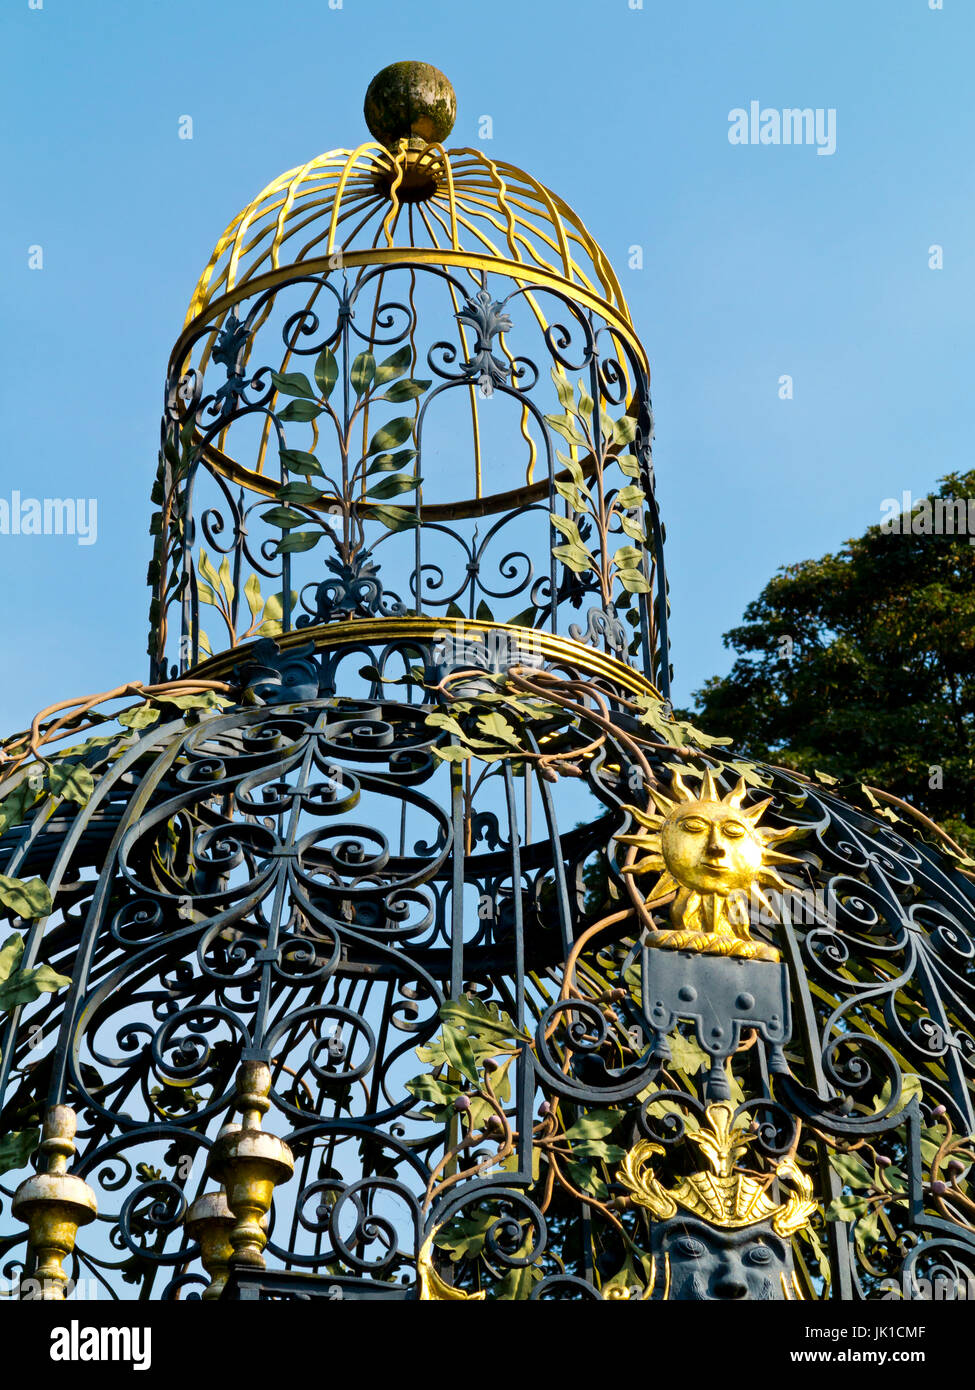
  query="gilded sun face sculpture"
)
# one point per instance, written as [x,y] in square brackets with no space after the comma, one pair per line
[711,852]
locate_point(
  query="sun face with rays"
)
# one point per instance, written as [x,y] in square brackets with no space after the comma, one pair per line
[712,853]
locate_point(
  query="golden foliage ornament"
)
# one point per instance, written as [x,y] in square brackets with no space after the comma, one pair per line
[722,1194]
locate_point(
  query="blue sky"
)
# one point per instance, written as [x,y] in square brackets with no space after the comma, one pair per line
[757,261]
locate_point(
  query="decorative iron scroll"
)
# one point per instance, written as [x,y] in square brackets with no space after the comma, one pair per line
[414,913]
[350,416]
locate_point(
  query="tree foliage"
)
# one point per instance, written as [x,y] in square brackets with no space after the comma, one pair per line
[862,664]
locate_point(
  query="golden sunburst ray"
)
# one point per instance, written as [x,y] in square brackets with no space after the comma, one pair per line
[709,787]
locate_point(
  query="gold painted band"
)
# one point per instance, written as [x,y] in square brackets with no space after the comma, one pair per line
[354,631]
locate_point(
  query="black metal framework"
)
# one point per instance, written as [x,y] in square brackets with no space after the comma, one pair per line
[407,525]
[314,884]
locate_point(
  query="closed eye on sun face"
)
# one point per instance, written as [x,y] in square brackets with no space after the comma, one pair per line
[694,825]
[733,829]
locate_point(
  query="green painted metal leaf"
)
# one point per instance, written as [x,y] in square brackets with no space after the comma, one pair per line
[564,388]
[586,402]
[633,581]
[595,1124]
[495,726]
[11,954]
[460,1054]
[304,493]
[394,485]
[391,434]
[568,528]
[362,373]
[404,391]
[300,461]
[71,782]
[630,496]
[252,593]
[390,463]
[572,494]
[486,1020]
[140,717]
[395,518]
[298,540]
[293,384]
[394,366]
[274,613]
[624,431]
[574,557]
[284,517]
[300,412]
[28,898]
[326,372]
[16,804]
[16,1148]
[566,426]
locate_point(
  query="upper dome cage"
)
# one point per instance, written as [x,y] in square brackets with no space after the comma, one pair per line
[401,338]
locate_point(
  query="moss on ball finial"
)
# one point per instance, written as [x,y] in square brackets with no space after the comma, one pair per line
[412,101]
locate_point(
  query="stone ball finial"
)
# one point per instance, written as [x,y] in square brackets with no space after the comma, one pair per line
[411,101]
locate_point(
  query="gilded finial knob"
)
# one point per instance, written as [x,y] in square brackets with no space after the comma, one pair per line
[250,1163]
[53,1204]
[211,1222]
[410,101]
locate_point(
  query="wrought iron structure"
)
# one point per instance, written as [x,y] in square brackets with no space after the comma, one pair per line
[371,873]
[420,358]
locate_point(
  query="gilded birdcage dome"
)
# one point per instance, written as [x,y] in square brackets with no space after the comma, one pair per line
[460,290]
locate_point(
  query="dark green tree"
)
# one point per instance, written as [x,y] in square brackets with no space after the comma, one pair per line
[862,664]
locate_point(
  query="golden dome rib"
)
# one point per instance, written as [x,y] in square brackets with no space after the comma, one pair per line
[476,195]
